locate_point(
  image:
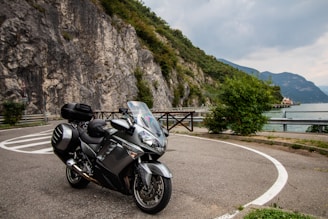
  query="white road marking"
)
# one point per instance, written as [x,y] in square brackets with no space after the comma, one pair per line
[44,150]
[25,144]
[8,130]
[30,145]
[274,190]
[27,140]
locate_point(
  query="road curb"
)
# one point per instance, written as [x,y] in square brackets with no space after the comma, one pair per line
[292,145]
[260,139]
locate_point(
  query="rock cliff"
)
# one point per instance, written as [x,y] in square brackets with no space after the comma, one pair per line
[58,51]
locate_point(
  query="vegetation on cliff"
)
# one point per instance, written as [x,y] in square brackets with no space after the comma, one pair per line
[169,46]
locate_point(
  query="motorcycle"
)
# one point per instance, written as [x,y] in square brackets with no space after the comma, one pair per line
[123,157]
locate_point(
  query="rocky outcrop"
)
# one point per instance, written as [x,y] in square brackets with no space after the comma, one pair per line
[58,51]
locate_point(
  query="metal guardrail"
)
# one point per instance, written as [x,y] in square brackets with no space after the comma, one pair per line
[286,121]
[186,118]
[280,121]
[29,119]
[297,121]
[170,119]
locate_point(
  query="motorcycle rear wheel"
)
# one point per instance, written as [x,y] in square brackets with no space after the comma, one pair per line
[75,180]
[154,198]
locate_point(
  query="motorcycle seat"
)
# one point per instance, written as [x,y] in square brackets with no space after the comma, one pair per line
[94,142]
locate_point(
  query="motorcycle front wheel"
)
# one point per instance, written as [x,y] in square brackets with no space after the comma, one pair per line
[153,198]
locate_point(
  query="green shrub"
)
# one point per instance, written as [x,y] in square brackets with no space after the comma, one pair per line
[12,112]
[215,121]
[144,92]
[67,36]
[243,101]
[318,128]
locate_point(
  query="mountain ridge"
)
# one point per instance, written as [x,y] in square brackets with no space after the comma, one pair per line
[324,89]
[292,85]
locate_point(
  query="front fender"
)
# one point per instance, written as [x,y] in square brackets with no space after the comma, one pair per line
[146,170]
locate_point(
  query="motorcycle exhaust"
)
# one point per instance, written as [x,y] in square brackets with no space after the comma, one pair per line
[72,165]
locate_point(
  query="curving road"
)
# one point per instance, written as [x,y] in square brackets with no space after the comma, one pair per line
[211,179]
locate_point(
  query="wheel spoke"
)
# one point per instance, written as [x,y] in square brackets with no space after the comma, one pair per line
[154,198]
[151,196]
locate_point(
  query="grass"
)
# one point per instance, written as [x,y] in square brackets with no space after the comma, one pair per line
[271,137]
[271,140]
[7,126]
[316,143]
[269,213]
[240,208]
[298,142]
[296,146]
[310,145]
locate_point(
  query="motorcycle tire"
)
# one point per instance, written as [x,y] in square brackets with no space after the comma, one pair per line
[154,198]
[75,180]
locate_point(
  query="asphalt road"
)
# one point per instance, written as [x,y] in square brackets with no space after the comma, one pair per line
[210,179]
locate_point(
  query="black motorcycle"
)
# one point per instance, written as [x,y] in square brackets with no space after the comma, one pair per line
[123,157]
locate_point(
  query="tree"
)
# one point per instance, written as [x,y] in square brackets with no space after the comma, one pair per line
[243,99]
[12,112]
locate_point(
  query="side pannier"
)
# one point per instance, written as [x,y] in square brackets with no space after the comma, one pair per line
[65,139]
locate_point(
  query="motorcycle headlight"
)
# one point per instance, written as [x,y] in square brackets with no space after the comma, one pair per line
[151,141]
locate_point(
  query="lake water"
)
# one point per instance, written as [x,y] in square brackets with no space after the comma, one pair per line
[304,111]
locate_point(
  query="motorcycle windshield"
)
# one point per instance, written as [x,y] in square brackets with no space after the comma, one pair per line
[144,117]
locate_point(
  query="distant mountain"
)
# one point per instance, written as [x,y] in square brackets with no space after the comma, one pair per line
[292,85]
[324,89]
[296,87]
[248,70]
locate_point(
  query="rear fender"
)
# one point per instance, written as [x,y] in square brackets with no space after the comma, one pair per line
[146,170]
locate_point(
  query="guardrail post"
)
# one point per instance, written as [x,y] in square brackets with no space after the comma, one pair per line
[45,117]
[192,121]
[284,126]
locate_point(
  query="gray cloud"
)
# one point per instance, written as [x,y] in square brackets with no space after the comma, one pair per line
[247,25]
[234,29]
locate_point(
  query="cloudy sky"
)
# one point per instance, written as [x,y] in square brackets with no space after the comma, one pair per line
[268,35]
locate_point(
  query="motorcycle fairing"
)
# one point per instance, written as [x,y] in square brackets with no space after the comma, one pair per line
[148,169]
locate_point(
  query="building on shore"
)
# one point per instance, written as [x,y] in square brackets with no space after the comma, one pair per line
[287,101]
